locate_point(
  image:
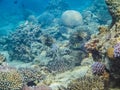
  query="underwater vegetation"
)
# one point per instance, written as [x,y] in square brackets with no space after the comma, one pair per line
[62,49]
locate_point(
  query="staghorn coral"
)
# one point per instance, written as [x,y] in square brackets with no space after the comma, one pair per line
[31,74]
[87,83]
[10,79]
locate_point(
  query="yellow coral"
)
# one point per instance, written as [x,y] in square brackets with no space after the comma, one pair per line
[110,52]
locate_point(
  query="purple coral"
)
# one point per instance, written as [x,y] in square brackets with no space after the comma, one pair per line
[117,50]
[98,68]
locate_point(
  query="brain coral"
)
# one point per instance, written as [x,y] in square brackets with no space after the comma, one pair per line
[71,18]
[87,83]
[10,79]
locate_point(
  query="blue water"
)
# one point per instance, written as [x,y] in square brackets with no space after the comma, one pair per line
[50,35]
[15,11]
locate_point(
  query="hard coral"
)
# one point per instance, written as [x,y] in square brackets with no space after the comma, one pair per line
[60,64]
[18,44]
[117,50]
[87,83]
[10,79]
[114,9]
[110,52]
[78,38]
[92,45]
[31,74]
[98,68]
[71,18]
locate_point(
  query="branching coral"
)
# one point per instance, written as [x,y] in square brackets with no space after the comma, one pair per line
[31,74]
[87,83]
[78,38]
[10,79]
[60,64]
[19,42]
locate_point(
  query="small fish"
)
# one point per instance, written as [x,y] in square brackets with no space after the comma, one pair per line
[31,83]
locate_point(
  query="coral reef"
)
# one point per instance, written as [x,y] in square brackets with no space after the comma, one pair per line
[10,79]
[87,83]
[114,9]
[117,50]
[78,38]
[98,68]
[31,74]
[19,48]
[60,64]
[71,18]
[108,38]
[110,52]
